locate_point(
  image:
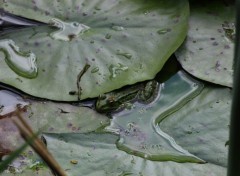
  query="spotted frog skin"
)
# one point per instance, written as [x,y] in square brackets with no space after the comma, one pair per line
[144,93]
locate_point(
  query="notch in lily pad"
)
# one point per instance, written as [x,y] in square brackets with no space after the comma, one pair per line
[67,30]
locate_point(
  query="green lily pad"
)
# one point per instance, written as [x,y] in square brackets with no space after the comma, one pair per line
[208,50]
[45,117]
[23,161]
[64,118]
[202,126]
[53,117]
[138,129]
[95,47]
[96,154]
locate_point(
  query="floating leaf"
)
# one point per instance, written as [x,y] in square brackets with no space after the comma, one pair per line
[54,117]
[97,155]
[211,110]
[64,118]
[207,52]
[43,116]
[202,125]
[79,153]
[139,134]
[136,50]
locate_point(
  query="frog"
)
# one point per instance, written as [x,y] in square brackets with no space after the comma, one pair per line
[117,100]
[229,29]
[149,92]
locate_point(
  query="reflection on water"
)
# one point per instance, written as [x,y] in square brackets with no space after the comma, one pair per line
[9,102]
[138,127]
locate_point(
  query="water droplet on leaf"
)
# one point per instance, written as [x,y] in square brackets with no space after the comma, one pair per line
[118,28]
[97,8]
[126,55]
[108,36]
[116,69]
[146,12]
[22,63]
[163,31]
[94,70]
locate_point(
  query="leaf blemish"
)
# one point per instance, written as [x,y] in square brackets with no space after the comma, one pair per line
[83,71]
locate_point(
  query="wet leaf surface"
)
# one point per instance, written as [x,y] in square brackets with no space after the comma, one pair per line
[208,50]
[97,155]
[120,42]
[92,47]
[137,125]
[202,126]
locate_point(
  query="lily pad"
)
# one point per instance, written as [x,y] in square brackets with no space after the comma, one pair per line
[202,126]
[89,150]
[26,164]
[208,50]
[95,47]
[47,116]
[81,152]
[64,118]
[44,116]
[138,129]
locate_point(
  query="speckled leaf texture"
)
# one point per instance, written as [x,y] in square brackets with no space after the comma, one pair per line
[127,42]
[208,50]
[200,126]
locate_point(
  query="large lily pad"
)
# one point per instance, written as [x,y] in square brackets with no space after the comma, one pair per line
[89,150]
[202,126]
[205,139]
[123,42]
[51,117]
[207,52]
[139,134]
[42,116]
[81,152]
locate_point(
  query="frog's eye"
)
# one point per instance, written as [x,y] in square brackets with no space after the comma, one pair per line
[111,99]
[102,97]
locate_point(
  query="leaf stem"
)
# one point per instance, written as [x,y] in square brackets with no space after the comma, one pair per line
[38,146]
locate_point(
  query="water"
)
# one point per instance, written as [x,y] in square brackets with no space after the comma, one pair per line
[94,70]
[116,69]
[9,102]
[108,36]
[126,55]
[67,30]
[117,28]
[163,31]
[22,63]
[97,8]
[139,130]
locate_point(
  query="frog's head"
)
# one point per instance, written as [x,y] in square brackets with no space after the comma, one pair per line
[106,103]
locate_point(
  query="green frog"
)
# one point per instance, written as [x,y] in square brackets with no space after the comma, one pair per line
[116,100]
[229,29]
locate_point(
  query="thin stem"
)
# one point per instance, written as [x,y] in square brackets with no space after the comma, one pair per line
[234,142]
[38,146]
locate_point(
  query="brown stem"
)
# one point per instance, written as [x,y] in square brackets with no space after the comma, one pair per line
[27,133]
